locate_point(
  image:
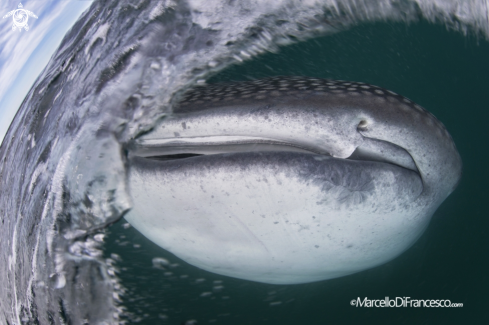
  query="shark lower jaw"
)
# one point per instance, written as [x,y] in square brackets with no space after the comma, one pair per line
[274,216]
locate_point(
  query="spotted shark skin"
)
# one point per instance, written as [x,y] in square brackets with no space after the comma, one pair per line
[295,179]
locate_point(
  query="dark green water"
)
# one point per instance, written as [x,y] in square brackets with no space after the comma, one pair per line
[443,71]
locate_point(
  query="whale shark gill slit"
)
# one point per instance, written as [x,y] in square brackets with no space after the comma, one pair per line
[290,179]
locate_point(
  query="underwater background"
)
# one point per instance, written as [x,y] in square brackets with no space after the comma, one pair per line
[67,255]
[442,70]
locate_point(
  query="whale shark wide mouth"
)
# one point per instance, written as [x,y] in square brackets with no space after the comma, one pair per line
[184,148]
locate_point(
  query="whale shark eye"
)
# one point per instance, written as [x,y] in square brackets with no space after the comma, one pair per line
[362,125]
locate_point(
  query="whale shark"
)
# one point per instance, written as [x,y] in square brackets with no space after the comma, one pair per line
[290,180]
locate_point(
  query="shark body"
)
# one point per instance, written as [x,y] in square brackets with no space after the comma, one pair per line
[291,179]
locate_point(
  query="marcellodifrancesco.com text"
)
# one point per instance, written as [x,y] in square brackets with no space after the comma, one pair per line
[403,302]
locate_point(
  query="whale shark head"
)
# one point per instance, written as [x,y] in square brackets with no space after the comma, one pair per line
[290,179]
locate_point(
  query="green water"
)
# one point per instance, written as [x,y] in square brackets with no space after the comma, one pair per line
[445,72]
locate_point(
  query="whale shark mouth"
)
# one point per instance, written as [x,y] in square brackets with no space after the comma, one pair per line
[184,148]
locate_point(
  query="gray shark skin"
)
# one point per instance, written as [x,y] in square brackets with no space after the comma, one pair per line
[290,179]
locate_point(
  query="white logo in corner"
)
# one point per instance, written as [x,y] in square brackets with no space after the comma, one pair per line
[20,17]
